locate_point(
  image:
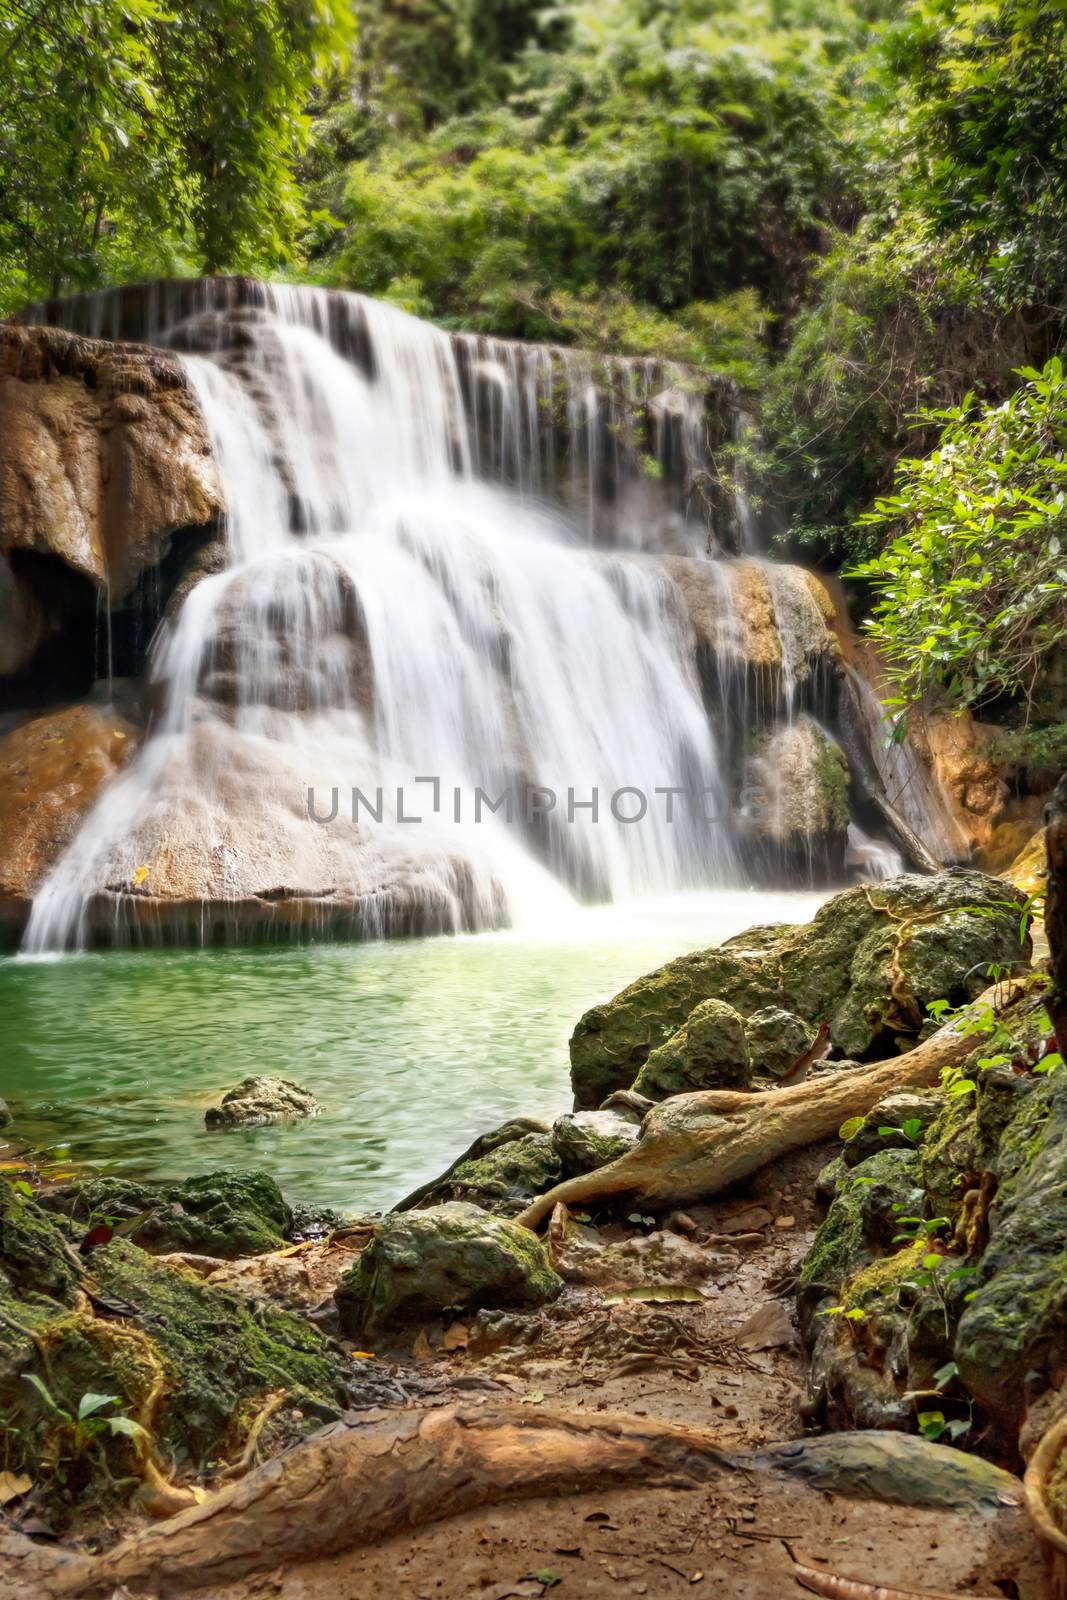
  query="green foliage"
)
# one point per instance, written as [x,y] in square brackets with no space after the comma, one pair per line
[972,586]
[137,135]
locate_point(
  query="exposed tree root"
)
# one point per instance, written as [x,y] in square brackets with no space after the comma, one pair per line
[358,1482]
[694,1145]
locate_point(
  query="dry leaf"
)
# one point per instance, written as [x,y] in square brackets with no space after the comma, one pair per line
[457,1337]
[421,1349]
[534,1398]
[655,1292]
[768,1328]
[13,1484]
[362,1355]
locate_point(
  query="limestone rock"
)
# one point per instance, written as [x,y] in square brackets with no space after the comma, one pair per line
[776,1039]
[103,454]
[51,771]
[257,1102]
[585,1140]
[896,1469]
[224,1214]
[709,1052]
[745,613]
[454,1257]
[869,964]
[1027,870]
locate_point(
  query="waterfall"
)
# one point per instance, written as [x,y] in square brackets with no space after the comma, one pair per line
[403,600]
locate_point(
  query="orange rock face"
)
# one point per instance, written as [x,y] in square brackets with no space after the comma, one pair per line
[51,771]
[103,454]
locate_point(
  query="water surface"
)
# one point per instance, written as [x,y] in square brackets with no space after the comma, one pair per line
[413,1048]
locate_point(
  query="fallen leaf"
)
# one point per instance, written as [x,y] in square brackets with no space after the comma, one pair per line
[534,1398]
[696,1577]
[457,1337]
[768,1328]
[421,1349]
[103,1233]
[547,1577]
[568,1550]
[655,1292]
[785,1222]
[362,1355]
[12,1485]
[598,1516]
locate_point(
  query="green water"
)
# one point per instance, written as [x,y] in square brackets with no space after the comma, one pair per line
[413,1048]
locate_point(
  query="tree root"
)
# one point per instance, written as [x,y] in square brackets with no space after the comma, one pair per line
[836,1588]
[695,1145]
[357,1482]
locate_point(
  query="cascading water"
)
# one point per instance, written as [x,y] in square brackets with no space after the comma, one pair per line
[386,616]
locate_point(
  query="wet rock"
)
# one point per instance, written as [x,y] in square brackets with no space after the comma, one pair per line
[914,1109]
[224,1214]
[103,454]
[585,1140]
[454,1257]
[869,964]
[776,1039]
[505,1179]
[895,1468]
[257,1102]
[51,771]
[708,1052]
[797,806]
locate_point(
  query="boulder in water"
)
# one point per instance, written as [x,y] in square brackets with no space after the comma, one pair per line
[257,1102]
[708,1052]
[454,1257]
[224,1214]
[51,770]
[868,964]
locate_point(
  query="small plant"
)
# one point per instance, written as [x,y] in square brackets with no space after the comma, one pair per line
[912,1130]
[81,1433]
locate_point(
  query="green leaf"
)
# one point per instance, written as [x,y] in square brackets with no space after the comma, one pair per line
[849,1129]
[95,1402]
[127,1427]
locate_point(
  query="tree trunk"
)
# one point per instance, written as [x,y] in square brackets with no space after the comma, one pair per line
[358,1482]
[694,1145]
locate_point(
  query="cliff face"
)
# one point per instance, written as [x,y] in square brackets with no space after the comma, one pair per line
[103,458]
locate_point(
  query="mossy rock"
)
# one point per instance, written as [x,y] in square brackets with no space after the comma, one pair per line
[776,1040]
[860,1225]
[34,1255]
[508,1177]
[451,1258]
[224,1214]
[893,1112]
[1012,1336]
[585,1140]
[869,964]
[708,1052]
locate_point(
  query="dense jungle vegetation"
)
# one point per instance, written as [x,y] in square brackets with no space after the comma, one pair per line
[858,211]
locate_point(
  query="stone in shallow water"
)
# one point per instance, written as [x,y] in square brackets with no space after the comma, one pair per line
[257,1102]
[454,1257]
[709,1052]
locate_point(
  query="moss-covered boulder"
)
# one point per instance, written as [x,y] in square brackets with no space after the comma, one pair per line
[884,1127]
[505,1178]
[776,1040]
[258,1102]
[860,1225]
[1012,1337]
[585,1140]
[708,1052]
[869,964]
[224,1214]
[34,1255]
[450,1258]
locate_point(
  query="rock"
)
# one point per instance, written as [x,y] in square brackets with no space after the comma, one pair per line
[904,1106]
[776,1040]
[1012,1336]
[869,964]
[1027,870]
[256,1102]
[34,1256]
[709,1052]
[504,1179]
[224,1214]
[860,1224]
[195,1362]
[581,1256]
[893,1468]
[454,1257]
[51,771]
[796,808]
[740,612]
[585,1140]
[5,1114]
[956,749]
[103,454]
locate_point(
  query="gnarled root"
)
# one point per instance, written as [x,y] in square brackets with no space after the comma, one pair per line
[357,1482]
[694,1145]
